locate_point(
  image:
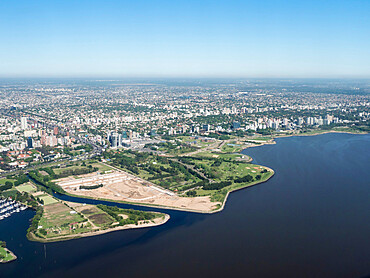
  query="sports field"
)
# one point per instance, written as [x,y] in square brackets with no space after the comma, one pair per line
[29,188]
[47,199]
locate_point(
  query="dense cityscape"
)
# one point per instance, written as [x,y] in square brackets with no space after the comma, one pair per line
[41,122]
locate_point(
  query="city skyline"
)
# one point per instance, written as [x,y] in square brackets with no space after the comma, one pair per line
[185,39]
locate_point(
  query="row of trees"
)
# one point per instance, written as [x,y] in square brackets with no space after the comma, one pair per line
[48,185]
[91,187]
[6,186]
[18,181]
[191,193]
[247,178]
[35,221]
[136,161]
[216,185]
[27,198]
[68,172]
[134,216]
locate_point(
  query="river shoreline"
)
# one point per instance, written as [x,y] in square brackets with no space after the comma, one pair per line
[273,142]
[270,142]
[320,133]
[175,208]
[161,221]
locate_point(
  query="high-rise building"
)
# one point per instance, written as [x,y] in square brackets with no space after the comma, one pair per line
[24,124]
[29,142]
[236,125]
[326,121]
[115,139]
[51,140]
[310,121]
[43,140]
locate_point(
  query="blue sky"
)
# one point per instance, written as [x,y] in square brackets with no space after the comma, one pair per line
[72,38]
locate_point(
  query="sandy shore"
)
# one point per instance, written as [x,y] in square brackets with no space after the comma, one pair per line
[156,222]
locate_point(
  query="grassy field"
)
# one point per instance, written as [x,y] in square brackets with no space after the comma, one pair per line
[184,144]
[176,149]
[102,167]
[5,256]
[261,138]
[219,195]
[28,187]
[47,199]
[57,220]
[4,180]
[221,170]
[226,172]
[226,156]
[65,220]
[233,147]
[77,165]
[72,167]
[229,171]
[159,170]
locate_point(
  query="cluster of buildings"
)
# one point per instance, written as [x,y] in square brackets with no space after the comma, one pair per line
[27,134]
[114,115]
[290,124]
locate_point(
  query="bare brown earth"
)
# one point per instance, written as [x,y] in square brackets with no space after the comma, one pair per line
[121,186]
[97,220]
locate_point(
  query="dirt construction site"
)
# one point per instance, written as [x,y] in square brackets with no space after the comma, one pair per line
[121,186]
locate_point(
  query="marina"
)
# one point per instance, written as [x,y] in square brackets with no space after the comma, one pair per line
[9,207]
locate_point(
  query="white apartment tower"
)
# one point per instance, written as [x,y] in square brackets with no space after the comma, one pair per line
[24,124]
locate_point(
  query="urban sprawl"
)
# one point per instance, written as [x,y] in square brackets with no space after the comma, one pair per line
[41,122]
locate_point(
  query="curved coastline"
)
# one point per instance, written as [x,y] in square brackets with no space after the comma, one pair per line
[32,237]
[167,217]
[12,254]
[321,133]
[273,142]
[174,208]
[250,159]
[241,188]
